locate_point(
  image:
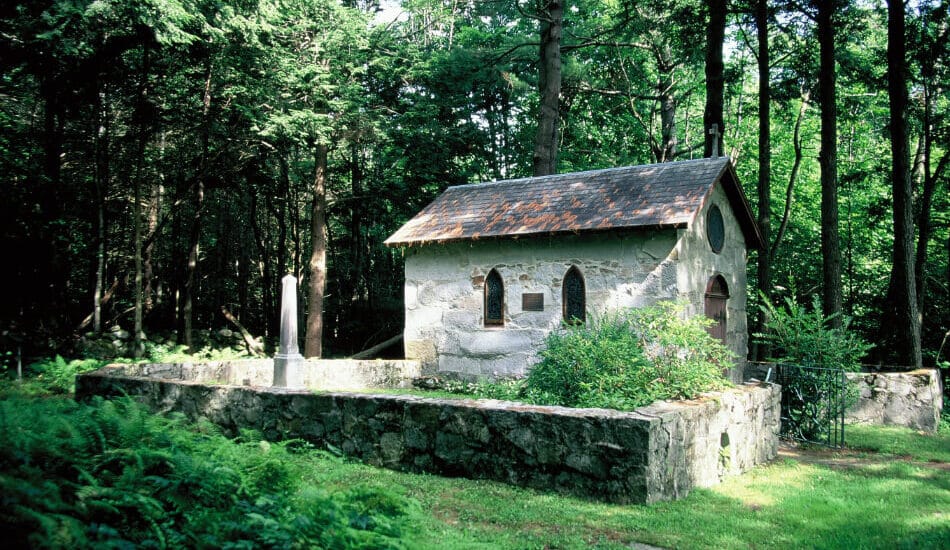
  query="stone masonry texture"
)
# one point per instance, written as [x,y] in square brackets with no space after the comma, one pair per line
[911,399]
[656,453]
[444,290]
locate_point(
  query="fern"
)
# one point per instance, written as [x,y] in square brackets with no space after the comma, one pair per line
[111,474]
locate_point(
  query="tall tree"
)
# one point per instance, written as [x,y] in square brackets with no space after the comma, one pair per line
[313,343]
[902,292]
[715,79]
[828,159]
[764,187]
[551,17]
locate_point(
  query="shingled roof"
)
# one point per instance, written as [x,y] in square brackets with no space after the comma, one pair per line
[650,196]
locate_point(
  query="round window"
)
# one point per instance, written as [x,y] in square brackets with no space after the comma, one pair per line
[715,229]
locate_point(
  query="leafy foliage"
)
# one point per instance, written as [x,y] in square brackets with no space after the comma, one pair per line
[111,475]
[804,336]
[627,360]
[57,375]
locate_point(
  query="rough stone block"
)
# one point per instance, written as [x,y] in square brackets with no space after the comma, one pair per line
[656,453]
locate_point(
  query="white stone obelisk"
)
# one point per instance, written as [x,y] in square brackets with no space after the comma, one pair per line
[288,360]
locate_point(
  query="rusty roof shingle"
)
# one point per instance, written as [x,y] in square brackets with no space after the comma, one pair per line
[649,196]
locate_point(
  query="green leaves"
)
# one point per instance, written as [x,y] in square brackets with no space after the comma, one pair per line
[111,474]
[804,336]
[628,360]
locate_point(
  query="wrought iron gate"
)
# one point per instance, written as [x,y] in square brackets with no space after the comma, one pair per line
[813,404]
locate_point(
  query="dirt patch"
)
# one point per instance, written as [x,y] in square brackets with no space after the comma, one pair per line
[849,458]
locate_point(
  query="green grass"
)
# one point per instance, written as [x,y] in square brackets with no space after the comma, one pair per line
[78,471]
[787,504]
[900,442]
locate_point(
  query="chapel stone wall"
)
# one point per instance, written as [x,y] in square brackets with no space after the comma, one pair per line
[444,293]
[698,264]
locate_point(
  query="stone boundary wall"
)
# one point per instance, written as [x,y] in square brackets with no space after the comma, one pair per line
[912,399]
[322,374]
[659,452]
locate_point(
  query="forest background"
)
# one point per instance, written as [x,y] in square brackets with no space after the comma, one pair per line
[163,163]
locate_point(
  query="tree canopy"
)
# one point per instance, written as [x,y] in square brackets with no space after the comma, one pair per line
[162,160]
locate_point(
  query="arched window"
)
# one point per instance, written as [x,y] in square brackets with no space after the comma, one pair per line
[574,297]
[715,229]
[717,295]
[494,300]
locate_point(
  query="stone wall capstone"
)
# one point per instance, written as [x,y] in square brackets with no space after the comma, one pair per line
[659,452]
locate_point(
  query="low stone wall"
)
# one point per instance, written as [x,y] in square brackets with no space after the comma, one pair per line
[321,374]
[912,399]
[656,453]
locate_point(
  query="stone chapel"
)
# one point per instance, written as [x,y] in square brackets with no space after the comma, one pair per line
[492,268]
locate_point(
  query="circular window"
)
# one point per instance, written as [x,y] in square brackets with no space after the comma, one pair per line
[715,229]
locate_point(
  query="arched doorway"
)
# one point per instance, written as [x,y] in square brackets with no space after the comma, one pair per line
[717,294]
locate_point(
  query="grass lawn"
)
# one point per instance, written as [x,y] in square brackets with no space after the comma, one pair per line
[78,470]
[812,498]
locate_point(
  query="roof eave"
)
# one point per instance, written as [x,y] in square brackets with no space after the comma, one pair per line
[391,243]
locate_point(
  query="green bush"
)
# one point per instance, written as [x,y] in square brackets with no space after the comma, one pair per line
[805,337]
[628,359]
[57,375]
[112,475]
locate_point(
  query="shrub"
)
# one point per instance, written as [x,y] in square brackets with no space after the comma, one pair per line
[805,337]
[628,359]
[57,375]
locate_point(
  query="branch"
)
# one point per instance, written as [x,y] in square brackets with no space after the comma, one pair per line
[797,142]
[370,352]
[253,346]
[512,50]
[102,301]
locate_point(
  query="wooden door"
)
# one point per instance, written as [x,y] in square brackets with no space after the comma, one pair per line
[717,295]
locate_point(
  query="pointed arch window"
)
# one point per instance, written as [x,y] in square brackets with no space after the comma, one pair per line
[574,297]
[494,300]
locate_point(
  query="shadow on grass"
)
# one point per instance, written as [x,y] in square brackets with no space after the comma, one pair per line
[785,505]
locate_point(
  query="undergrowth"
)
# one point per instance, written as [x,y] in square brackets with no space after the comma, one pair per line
[57,375]
[621,361]
[629,359]
[112,475]
[805,336]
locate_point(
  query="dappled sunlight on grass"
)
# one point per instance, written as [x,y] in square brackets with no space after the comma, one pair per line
[785,504]
[899,441]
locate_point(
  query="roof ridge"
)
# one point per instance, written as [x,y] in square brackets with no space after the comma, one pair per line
[663,166]
[647,195]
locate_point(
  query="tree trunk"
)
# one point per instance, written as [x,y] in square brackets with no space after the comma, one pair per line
[101,182]
[828,159]
[764,259]
[549,83]
[792,178]
[283,198]
[664,89]
[906,327]
[715,80]
[142,124]
[199,187]
[357,255]
[313,346]
[268,281]
[192,267]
